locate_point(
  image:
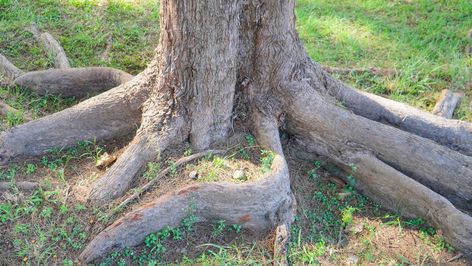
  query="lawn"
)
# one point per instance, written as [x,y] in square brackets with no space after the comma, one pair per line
[423,40]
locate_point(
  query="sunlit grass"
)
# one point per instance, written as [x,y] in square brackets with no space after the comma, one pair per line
[424,40]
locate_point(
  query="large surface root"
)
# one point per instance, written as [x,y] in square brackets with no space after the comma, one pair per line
[258,205]
[454,134]
[439,168]
[143,148]
[54,50]
[73,82]
[400,193]
[112,114]
[433,176]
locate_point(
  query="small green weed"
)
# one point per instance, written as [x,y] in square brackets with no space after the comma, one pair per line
[152,170]
[218,228]
[266,160]
[30,168]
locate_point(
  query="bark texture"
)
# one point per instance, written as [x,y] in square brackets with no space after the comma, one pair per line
[220,60]
[73,82]
[447,103]
[54,50]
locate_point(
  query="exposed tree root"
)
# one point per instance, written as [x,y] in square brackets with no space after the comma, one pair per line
[112,114]
[143,148]
[73,82]
[376,152]
[400,193]
[162,174]
[64,81]
[8,71]
[258,205]
[188,93]
[394,189]
[447,103]
[454,134]
[52,47]
[443,170]
[22,185]
[282,237]
[54,50]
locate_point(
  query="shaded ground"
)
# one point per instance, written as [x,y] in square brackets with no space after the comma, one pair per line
[424,40]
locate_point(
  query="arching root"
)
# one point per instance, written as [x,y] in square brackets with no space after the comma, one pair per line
[73,82]
[163,173]
[443,170]
[54,50]
[112,114]
[258,205]
[63,81]
[417,185]
[454,134]
[143,148]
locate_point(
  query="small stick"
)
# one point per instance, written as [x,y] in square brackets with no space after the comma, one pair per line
[456,257]
[163,173]
[447,103]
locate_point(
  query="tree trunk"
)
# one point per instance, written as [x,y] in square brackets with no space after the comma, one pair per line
[211,51]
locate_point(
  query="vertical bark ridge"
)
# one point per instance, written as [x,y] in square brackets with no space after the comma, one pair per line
[192,32]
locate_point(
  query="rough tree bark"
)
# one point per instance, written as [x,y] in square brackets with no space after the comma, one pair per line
[209,52]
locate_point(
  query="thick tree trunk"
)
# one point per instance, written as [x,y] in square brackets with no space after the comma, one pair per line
[211,51]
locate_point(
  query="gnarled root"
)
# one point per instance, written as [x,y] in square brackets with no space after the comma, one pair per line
[112,114]
[259,205]
[63,81]
[454,134]
[422,184]
[73,82]
[54,50]
[144,147]
[51,46]
[394,190]
[443,170]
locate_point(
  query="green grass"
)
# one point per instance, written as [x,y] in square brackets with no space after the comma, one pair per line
[424,40]
[82,27]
